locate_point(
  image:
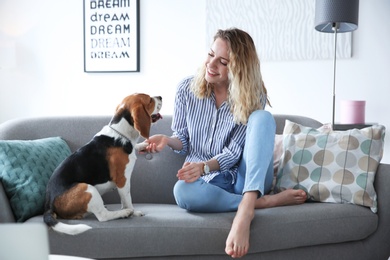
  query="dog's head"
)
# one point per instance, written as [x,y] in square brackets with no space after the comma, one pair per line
[140,110]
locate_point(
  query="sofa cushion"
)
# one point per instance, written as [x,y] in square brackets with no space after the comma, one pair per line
[278,151]
[25,168]
[332,166]
[167,230]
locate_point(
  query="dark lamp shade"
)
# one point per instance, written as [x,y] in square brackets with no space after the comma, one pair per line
[344,13]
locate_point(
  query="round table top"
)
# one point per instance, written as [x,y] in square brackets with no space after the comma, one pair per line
[67,257]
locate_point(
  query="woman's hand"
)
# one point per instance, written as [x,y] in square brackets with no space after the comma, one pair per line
[190,171]
[156,143]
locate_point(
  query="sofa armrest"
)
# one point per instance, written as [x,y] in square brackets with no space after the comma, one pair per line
[280,120]
[382,184]
[380,238]
[6,214]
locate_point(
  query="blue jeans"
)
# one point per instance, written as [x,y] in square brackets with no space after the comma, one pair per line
[255,172]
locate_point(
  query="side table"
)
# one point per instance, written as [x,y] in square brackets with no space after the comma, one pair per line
[343,127]
[67,257]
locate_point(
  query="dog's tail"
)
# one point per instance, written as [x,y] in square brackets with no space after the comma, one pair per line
[50,219]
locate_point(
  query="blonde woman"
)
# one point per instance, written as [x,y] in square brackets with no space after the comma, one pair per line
[220,122]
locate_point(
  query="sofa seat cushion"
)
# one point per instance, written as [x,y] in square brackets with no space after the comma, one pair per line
[167,230]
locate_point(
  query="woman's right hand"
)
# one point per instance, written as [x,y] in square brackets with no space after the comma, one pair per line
[156,143]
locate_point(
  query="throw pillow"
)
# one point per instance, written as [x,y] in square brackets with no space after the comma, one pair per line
[278,151]
[25,168]
[331,166]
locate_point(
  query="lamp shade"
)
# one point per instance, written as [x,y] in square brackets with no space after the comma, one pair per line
[342,13]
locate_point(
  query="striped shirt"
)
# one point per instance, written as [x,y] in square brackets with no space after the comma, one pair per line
[206,131]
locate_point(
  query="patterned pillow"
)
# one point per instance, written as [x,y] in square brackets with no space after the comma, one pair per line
[331,166]
[25,168]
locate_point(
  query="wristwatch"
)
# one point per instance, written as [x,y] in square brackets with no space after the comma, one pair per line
[206,169]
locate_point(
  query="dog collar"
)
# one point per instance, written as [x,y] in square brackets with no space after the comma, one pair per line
[119,133]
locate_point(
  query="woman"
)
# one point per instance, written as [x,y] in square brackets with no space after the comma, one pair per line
[216,113]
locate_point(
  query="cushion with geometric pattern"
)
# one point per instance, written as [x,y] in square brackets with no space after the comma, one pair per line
[25,169]
[331,166]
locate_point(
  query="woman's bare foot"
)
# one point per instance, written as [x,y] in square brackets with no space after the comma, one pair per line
[284,198]
[237,243]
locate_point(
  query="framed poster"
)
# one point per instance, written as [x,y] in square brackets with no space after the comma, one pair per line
[111,36]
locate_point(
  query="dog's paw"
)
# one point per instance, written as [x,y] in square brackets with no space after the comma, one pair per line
[138,213]
[125,213]
[141,146]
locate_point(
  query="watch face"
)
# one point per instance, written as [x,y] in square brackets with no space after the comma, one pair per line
[206,168]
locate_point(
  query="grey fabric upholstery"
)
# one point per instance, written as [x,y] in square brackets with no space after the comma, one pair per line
[169,230]
[308,231]
[6,214]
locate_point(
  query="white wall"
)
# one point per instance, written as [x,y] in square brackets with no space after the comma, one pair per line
[49,80]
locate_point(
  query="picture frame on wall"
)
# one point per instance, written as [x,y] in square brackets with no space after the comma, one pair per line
[111,36]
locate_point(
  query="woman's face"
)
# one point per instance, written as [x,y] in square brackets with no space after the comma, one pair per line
[216,63]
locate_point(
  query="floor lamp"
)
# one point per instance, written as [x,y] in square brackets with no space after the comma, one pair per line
[336,16]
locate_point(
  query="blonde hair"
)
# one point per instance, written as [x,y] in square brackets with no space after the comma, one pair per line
[246,91]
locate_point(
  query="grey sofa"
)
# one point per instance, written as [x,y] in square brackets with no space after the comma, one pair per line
[308,231]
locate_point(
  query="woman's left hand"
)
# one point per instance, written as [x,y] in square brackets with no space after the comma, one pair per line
[190,172]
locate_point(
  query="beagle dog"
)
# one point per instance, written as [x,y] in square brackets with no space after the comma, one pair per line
[106,162]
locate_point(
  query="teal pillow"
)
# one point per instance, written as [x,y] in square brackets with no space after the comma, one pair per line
[25,169]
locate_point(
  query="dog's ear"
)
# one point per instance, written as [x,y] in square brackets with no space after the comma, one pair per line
[120,113]
[142,120]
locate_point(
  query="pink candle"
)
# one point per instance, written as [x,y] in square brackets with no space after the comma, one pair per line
[352,112]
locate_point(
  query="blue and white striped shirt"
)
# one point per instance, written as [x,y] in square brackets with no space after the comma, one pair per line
[206,131]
